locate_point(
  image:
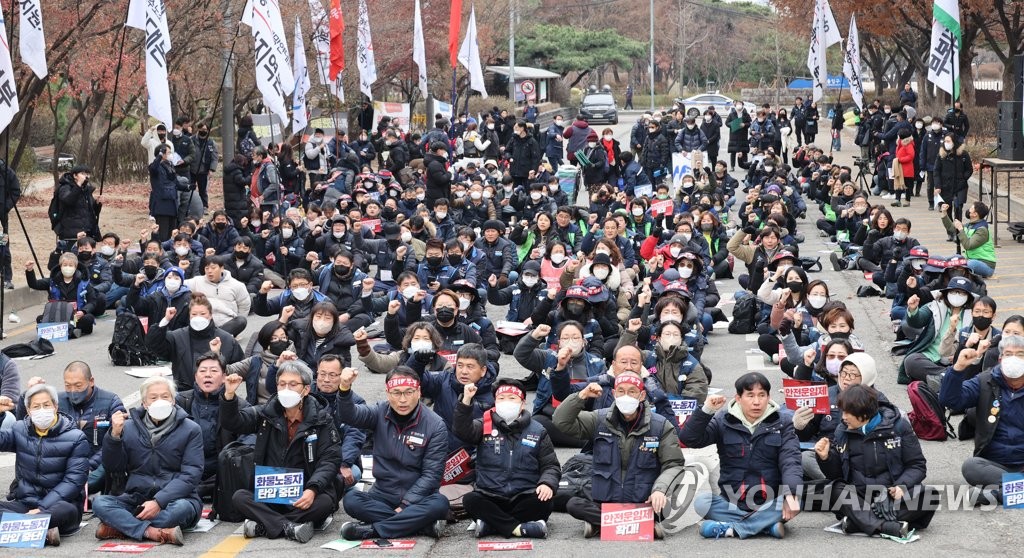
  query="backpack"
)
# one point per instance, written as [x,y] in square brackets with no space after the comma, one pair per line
[53,211]
[928,417]
[128,344]
[744,315]
[39,347]
[1017,231]
[310,164]
[247,145]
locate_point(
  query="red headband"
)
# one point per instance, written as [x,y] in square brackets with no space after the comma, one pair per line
[629,379]
[510,389]
[402,381]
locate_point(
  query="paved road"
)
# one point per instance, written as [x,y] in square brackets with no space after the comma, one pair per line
[729,356]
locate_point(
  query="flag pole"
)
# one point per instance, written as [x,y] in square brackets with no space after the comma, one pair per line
[113,104]
[952,105]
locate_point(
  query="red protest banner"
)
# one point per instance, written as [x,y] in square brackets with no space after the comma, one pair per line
[128,548]
[395,545]
[802,393]
[449,356]
[501,546]
[627,522]
[662,207]
[373,224]
[456,467]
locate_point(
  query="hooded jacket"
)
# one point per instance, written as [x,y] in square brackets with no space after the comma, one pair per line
[50,468]
[168,471]
[763,456]
[79,210]
[228,297]
[952,169]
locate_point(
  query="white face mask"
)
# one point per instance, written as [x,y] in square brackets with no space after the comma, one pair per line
[286,233]
[626,405]
[42,418]
[591,144]
[707,118]
[410,292]
[288,398]
[160,409]
[256,224]
[67,271]
[557,258]
[198,323]
[300,294]
[919,125]
[322,327]
[687,236]
[936,127]
[460,194]
[816,301]
[608,137]
[508,410]
[421,346]
[440,215]
[530,280]
[602,273]
[464,304]
[338,235]
[172,285]
[407,237]
[899,235]
[685,272]
[956,300]
[181,250]
[107,250]
[535,196]
[487,194]
[667,342]
[675,251]
[1012,367]
[637,211]
[576,346]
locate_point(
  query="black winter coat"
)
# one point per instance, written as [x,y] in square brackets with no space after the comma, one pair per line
[163,196]
[236,201]
[183,346]
[657,152]
[439,180]
[525,154]
[79,211]
[952,171]
[739,132]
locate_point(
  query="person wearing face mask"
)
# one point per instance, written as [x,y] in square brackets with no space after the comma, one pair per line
[523,154]
[739,122]
[163,196]
[171,293]
[229,297]
[287,248]
[391,256]
[834,322]
[244,266]
[888,251]
[656,154]
[185,252]
[300,296]
[70,293]
[335,232]
[864,459]
[161,450]
[676,372]
[927,155]
[184,345]
[421,349]
[983,312]
[636,451]
[319,334]
[940,322]
[992,400]
[711,126]
[295,430]
[328,380]
[89,408]
[446,387]
[314,158]
[50,447]
[438,179]
[521,298]
[952,169]
[274,350]
[472,312]
[553,143]
[98,268]
[513,497]
[446,320]
[221,233]
[202,403]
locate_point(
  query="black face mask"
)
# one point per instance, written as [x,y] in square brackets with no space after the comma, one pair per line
[444,314]
[84,256]
[840,335]
[220,226]
[434,261]
[982,323]
[342,270]
[575,308]
[150,271]
[454,259]
[203,135]
[796,287]
[278,347]
[241,255]
[389,213]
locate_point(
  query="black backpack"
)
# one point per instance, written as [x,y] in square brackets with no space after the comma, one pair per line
[744,315]
[310,164]
[53,211]
[236,464]
[39,347]
[128,344]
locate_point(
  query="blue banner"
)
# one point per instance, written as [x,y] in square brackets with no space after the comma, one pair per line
[22,530]
[1013,490]
[277,485]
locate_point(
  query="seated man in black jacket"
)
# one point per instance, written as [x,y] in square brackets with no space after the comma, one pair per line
[512,496]
[293,414]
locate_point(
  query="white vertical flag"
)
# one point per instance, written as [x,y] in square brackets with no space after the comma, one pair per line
[322,44]
[8,91]
[31,42]
[273,74]
[824,33]
[851,64]
[419,52]
[151,17]
[469,56]
[302,85]
[944,61]
[364,52]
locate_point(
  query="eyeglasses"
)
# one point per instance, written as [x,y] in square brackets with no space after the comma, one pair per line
[849,375]
[295,386]
[404,394]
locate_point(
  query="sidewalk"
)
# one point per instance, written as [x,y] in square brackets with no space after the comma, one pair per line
[1006,287]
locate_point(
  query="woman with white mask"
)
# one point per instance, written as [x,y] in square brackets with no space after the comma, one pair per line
[931,353]
[51,462]
[677,372]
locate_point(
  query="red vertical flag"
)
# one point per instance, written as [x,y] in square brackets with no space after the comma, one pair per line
[454,26]
[337,46]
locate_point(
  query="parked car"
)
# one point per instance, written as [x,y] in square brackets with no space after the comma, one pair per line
[697,104]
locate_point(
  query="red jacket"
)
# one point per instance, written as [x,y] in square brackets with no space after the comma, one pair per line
[905,155]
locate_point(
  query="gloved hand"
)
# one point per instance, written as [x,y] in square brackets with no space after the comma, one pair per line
[750,229]
[802,417]
[785,327]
